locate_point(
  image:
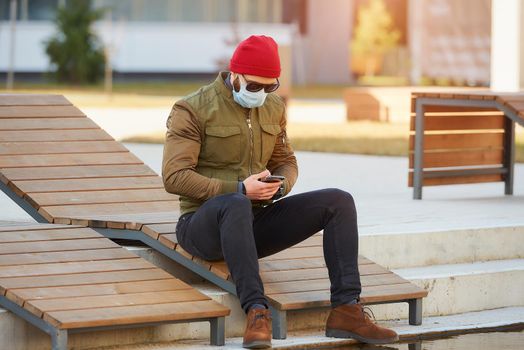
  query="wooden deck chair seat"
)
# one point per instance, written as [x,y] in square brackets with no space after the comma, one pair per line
[463,137]
[61,168]
[65,278]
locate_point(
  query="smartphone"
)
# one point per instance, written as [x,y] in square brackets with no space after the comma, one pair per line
[273,178]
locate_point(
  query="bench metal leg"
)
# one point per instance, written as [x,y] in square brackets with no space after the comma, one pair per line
[415,312]
[418,175]
[279,323]
[415,346]
[509,154]
[218,331]
[59,339]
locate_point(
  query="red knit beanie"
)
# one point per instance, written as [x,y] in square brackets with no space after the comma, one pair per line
[257,55]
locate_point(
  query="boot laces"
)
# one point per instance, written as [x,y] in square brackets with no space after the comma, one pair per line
[259,316]
[368,313]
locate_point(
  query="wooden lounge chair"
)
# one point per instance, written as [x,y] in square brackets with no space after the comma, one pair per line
[463,137]
[62,168]
[65,279]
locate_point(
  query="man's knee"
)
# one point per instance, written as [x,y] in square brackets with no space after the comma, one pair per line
[340,197]
[235,202]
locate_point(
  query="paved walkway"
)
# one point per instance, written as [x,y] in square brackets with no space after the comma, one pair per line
[384,202]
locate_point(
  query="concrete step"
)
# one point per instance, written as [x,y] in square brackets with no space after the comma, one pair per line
[432,327]
[401,250]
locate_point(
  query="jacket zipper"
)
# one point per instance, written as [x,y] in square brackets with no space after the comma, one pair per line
[251,146]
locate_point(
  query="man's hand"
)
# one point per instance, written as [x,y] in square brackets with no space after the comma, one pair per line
[258,190]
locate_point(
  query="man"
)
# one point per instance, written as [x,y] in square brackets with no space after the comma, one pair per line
[222,142]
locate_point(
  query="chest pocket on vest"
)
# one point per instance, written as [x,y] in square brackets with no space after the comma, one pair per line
[222,144]
[269,138]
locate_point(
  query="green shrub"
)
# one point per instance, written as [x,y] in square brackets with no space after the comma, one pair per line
[75,52]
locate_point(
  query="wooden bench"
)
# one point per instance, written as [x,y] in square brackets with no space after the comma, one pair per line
[65,279]
[463,137]
[62,168]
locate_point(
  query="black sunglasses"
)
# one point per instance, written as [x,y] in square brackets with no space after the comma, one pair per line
[253,86]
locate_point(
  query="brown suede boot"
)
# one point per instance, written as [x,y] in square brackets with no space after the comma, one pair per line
[258,329]
[351,321]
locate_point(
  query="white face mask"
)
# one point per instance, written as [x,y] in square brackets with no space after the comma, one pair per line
[249,99]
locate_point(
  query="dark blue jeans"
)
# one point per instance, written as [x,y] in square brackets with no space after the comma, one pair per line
[228,227]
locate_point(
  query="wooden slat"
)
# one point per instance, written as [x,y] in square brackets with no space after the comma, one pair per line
[324,283]
[5,223]
[392,292]
[95,197]
[505,98]
[55,135]
[220,269]
[181,250]
[56,245]
[32,100]
[65,256]
[372,294]
[165,283]
[516,105]
[154,230]
[38,307]
[73,159]
[315,240]
[457,94]
[458,110]
[292,264]
[461,141]
[315,273]
[459,158]
[169,240]
[47,124]
[14,235]
[50,147]
[71,185]
[366,266]
[474,122]
[463,179]
[39,111]
[68,268]
[131,221]
[77,172]
[88,211]
[29,226]
[136,314]
[82,278]
[297,252]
